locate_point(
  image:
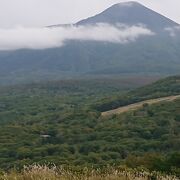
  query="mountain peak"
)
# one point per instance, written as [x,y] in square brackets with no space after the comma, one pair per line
[127,4]
[130,13]
[124,6]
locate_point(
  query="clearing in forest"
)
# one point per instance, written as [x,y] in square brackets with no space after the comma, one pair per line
[135,106]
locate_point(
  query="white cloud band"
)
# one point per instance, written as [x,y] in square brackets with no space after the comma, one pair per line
[41,38]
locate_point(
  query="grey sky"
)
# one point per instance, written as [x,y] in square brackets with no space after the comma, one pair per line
[33,13]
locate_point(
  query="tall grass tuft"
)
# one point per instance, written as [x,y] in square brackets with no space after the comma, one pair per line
[44,172]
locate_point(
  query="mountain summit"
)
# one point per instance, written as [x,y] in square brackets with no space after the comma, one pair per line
[130,13]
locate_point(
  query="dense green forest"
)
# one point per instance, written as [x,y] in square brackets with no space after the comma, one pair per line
[162,88]
[60,122]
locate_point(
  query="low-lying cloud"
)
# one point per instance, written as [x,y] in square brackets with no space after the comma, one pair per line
[41,38]
[173,31]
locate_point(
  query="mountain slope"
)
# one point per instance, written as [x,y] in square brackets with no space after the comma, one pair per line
[157,54]
[131,13]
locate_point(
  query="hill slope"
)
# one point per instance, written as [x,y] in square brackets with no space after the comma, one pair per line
[54,122]
[135,106]
[162,88]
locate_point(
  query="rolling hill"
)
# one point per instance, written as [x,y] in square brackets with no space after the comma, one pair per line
[56,122]
[165,87]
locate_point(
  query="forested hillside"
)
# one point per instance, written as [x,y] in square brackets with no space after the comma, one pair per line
[56,122]
[162,88]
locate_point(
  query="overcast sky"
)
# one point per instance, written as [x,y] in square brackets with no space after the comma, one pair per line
[34,13]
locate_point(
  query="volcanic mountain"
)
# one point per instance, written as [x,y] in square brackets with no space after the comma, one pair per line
[131,13]
[154,51]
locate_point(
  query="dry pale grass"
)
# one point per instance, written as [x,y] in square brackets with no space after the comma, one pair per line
[37,172]
[138,105]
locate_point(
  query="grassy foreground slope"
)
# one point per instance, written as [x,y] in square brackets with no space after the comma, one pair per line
[37,172]
[56,123]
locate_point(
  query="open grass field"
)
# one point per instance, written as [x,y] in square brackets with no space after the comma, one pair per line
[135,106]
